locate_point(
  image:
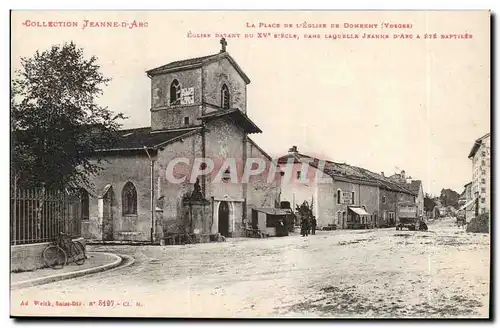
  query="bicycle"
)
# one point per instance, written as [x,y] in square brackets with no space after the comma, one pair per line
[56,256]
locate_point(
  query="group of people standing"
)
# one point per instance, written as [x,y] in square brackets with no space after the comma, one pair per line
[308,226]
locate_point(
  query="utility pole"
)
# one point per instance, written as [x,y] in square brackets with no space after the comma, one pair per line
[153,225]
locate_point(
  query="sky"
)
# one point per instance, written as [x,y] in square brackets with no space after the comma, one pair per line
[383,104]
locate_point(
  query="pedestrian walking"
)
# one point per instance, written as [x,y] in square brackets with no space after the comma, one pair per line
[303,227]
[313,225]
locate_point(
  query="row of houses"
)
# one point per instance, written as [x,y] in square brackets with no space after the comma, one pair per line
[345,193]
[475,198]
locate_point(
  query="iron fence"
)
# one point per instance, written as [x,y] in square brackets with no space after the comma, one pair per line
[39,215]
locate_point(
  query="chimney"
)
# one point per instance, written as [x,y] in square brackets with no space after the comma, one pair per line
[293,150]
[382,173]
[403,175]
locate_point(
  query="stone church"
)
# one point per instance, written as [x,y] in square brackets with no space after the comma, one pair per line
[198,110]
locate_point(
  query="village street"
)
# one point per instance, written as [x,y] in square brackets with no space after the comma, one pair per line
[345,273]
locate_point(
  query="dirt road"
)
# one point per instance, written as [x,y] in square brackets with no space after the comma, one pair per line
[365,273]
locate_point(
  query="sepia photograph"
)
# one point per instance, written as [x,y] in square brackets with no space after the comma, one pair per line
[250,164]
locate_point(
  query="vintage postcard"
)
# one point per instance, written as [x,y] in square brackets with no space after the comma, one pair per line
[250,164]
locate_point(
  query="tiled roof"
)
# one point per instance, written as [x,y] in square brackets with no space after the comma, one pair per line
[138,138]
[198,62]
[414,186]
[346,171]
[182,63]
[236,116]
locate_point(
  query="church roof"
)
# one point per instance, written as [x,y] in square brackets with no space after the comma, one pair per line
[197,62]
[237,117]
[181,63]
[138,138]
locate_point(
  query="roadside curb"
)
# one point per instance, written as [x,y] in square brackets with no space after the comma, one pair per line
[127,259]
[69,275]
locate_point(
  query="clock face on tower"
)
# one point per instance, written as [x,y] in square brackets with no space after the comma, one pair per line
[187,96]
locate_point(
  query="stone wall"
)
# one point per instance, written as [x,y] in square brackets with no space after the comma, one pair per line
[167,116]
[170,191]
[224,140]
[261,191]
[222,72]
[120,169]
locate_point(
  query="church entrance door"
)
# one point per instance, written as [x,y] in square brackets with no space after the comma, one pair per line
[224,219]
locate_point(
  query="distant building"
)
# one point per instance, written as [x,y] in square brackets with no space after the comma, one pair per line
[415,186]
[341,194]
[467,203]
[440,212]
[480,188]
[462,199]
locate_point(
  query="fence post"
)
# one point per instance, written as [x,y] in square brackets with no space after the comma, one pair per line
[14,232]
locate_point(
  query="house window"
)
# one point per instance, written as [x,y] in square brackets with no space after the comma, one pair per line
[224,97]
[175,93]
[483,162]
[186,120]
[352,198]
[483,190]
[84,204]
[483,180]
[338,196]
[298,175]
[383,199]
[483,200]
[129,199]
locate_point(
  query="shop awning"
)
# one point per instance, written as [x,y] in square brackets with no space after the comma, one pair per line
[359,211]
[464,206]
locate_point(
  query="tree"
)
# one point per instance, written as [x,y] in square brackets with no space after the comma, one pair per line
[429,203]
[56,124]
[449,197]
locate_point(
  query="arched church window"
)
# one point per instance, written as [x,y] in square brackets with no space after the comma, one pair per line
[339,195]
[175,93]
[129,199]
[84,204]
[225,97]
